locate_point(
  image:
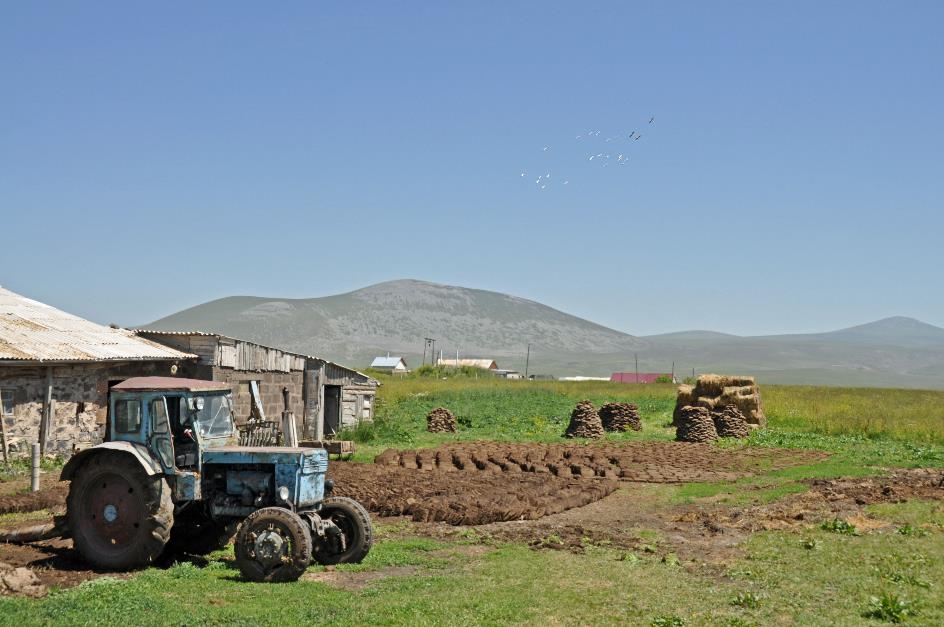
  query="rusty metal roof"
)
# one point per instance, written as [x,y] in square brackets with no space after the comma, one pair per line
[139,384]
[34,331]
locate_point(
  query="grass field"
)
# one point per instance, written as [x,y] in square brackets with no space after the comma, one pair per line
[818,577]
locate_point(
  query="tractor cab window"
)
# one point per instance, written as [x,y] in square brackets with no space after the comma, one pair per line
[127,416]
[214,415]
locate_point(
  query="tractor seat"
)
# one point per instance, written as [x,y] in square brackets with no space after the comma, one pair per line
[185,460]
[186,454]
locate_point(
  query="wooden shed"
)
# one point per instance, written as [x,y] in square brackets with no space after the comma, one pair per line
[324,396]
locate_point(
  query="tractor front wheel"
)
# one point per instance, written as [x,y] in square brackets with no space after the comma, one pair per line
[349,538]
[119,516]
[273,544]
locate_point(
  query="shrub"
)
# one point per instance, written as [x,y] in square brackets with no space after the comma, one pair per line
[746,599]
[890,608]
[838,525]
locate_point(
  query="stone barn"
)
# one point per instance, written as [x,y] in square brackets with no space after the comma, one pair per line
[56,370]
[325,397]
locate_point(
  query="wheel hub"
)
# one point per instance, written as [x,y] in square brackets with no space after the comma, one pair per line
[111,513]
[270,548]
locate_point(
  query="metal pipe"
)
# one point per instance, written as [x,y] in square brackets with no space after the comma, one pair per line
[35,533]
[34,469]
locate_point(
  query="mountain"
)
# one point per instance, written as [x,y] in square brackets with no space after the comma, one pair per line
[396,316]
[895,331]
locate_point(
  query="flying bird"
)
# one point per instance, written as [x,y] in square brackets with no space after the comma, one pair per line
[546,148]
[652,119]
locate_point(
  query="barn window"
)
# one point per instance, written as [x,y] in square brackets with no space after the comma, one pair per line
[6,400]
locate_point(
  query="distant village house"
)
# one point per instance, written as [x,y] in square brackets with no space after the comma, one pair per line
[486,364]
[642,377]
[393,365]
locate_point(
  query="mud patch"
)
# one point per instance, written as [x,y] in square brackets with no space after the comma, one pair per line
[51,497]
[463,499]
[54,563]
[844,498]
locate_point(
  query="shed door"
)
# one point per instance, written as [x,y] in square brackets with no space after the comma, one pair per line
[332,410]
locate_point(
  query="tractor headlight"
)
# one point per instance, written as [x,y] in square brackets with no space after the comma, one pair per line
[283,494]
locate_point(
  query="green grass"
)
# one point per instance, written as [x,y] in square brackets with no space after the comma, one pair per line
[915,416]
[779,580]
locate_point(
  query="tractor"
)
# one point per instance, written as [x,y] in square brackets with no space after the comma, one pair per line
[171,476]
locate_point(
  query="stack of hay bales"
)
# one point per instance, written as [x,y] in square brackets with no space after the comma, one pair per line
[695,424]
[440,420]
[713,391]
[584,422]
[730,423]
[620,416]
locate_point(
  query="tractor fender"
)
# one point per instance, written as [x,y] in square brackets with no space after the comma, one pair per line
[139,452]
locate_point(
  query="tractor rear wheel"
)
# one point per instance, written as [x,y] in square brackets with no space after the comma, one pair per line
[119,516]
[352,535]
[273,544]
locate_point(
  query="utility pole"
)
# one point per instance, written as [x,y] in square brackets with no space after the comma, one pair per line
[636,357]
[428,341]
[673,372]
[432,354]
[527,362]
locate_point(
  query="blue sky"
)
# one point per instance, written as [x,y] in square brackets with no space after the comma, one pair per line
[155,156]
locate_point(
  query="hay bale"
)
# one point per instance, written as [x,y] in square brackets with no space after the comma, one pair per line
[440,420]
[620,416]
[709,385]
[696,425]
[686,396]
[714,392]
[730,423]
[584,422]
[739,381]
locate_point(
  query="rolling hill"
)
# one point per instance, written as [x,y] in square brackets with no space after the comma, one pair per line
[395,317]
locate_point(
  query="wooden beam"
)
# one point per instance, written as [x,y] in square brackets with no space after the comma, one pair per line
[3,431]
[45,423]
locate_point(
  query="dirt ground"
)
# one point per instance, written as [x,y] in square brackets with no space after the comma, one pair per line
[710,533]
[569,497]
[647,462]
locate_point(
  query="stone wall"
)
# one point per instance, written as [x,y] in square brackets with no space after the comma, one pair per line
[270,388]
[80,392]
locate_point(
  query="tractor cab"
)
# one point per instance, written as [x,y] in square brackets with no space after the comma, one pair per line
[174,418]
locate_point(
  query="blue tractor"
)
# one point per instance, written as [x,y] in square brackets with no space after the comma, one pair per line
[171,477]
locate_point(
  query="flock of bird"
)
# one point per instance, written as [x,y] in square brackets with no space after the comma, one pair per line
[597,158]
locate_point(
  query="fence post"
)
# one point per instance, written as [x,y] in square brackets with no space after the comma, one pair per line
[34,470]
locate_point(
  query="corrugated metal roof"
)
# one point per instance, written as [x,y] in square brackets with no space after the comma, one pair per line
[488,364]
[33,331]
[387,362]
[137,384]
[234,339]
